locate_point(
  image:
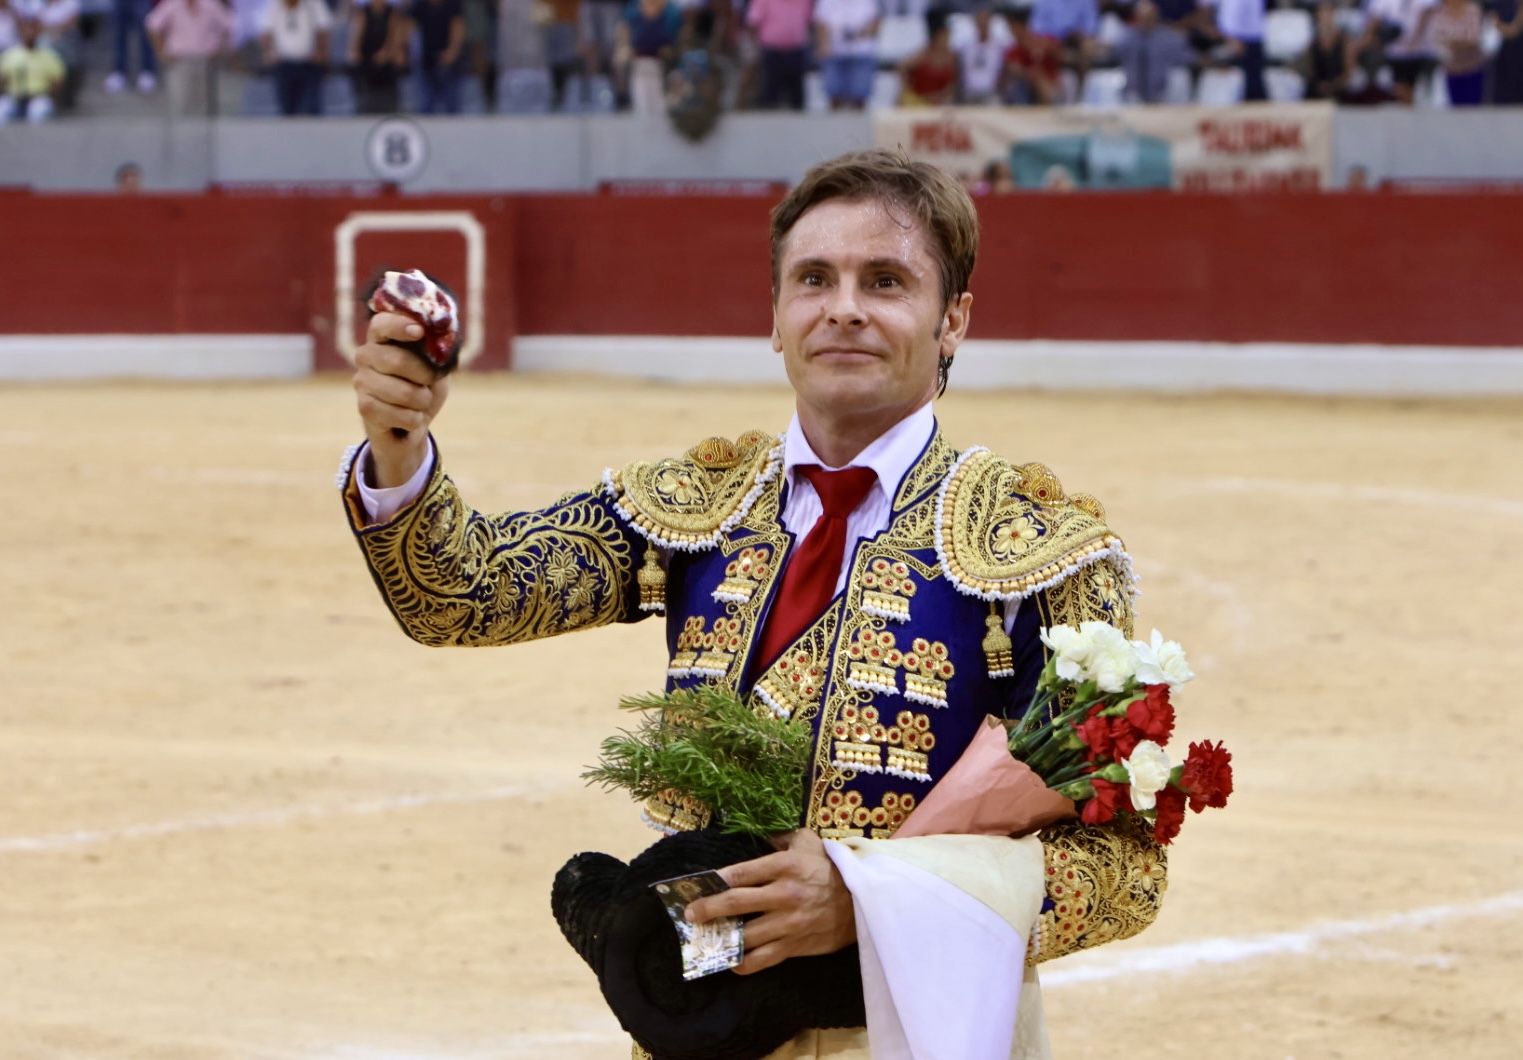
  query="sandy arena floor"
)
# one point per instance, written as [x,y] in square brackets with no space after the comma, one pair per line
[241,816]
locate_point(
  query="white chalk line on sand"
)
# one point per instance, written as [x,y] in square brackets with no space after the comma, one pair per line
[1355,492]
[249,819]
[1195,956]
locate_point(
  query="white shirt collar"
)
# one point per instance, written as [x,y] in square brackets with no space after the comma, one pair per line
[890,455]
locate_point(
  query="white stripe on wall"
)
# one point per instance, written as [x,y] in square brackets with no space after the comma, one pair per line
[990,364]
[41,357]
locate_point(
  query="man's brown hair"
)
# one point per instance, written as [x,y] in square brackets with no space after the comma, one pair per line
[932,197]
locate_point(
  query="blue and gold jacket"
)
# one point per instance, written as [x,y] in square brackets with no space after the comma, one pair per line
[892,679]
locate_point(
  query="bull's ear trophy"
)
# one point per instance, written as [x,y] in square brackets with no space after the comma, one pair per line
[415,294]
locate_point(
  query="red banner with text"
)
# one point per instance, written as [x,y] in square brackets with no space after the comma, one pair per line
[1272,147]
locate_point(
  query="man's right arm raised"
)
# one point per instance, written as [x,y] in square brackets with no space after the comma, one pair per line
[450,574]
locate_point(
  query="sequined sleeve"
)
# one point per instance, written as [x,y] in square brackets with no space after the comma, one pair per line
[1104,883]
[453,575]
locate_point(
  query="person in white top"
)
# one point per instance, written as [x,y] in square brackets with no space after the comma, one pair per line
[294,41]
[1239,25]
[981,56]
[846,43]
[1400,28]
[871,260]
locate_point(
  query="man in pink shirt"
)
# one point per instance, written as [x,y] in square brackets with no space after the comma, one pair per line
[189,35]
[781,28]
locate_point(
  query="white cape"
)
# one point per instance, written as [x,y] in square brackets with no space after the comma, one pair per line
[942,926]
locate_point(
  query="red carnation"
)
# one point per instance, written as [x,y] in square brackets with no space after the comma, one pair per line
[1207,775]
[1169,814]
[1095,731]
[1108,800]
[1125,738]
[1153,717]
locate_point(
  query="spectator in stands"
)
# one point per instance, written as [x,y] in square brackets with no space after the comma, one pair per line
[649,36]
[1073,24]
[1238,27]
[481,43]
[8,35]
[1506,82]
[929,77]
[981,58]
[377,56]
[781,31]
[1330,61]
[1148,52]
[1455,30]
[294,41]
[997,180]
[60,31]
[847,47]
[1400,29]
[695,86]
[441,42]
[599,38]
[31,76]
[1030,76]
[128,33]
[190,37]
[128,178]
[560,34]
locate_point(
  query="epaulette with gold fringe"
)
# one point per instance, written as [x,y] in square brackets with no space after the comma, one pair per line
[1006,531]
[690,502]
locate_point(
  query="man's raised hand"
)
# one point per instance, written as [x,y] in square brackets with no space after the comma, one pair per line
[395,388]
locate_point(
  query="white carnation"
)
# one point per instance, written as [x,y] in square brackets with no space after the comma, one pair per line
[1148,770]
[1161,662]
[1110,661]
[1070,651]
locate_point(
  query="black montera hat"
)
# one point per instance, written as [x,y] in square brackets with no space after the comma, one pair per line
[613,919]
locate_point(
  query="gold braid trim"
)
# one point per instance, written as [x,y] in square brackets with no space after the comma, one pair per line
[452,575]
[1103,884]
[690,502]
[1005,532]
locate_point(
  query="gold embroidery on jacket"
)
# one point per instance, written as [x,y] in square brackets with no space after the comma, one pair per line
[688,503]
[670,812]
[706,651]
[1105,884]
[1006,531]
[887,590]
[793,684]
[745,574]
[845,814]
[453,575]
[911,527]
[874,662]
[928,670]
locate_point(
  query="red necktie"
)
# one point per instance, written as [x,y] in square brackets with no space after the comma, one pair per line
[809,582]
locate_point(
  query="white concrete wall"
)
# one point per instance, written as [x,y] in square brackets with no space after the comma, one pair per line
[472,154]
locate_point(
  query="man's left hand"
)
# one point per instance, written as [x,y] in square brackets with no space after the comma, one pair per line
[804,904]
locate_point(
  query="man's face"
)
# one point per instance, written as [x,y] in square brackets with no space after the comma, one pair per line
[858,314]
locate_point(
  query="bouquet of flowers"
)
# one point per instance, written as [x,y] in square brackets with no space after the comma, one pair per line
[1091,742]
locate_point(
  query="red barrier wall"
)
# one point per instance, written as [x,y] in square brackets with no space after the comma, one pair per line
[1425,269]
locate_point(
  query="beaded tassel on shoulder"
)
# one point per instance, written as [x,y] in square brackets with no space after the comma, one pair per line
[997,647]
[652,581]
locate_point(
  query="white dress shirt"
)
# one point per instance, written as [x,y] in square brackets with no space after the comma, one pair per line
[890,456]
